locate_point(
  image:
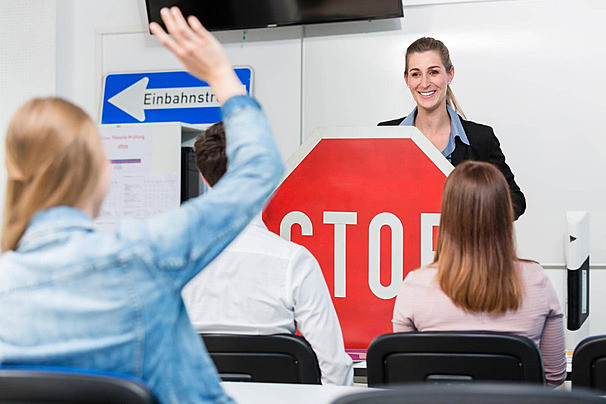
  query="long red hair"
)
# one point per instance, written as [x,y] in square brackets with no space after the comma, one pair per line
[476,252]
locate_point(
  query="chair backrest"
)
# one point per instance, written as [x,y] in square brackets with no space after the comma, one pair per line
[589,363]
[476,393]
[40,385]
[263,358]
[452,357]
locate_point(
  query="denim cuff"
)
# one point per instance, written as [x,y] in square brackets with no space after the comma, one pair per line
[237,102]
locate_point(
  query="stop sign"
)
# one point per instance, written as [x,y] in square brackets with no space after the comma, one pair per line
[366,203]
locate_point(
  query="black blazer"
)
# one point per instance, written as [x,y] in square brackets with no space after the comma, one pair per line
[484,146]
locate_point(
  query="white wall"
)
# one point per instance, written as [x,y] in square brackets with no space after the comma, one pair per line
[78,50]
[27,53]
[522,67]
[27,59]
[532,69]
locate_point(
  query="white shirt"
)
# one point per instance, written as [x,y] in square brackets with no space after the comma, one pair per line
[261,284]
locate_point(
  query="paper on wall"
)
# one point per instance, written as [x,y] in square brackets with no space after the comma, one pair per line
[136,191]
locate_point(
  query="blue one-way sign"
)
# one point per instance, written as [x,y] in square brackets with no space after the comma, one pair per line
[174,96]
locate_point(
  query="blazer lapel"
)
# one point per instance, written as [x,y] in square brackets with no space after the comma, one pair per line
[460,152]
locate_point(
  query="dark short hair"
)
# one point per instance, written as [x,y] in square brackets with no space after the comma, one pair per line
[209,150]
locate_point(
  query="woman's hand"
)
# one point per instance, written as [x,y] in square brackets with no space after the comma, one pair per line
[199,51]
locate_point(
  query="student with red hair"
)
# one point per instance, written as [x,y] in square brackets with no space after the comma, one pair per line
[477,282]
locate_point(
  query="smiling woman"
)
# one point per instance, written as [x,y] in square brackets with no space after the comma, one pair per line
[428,74]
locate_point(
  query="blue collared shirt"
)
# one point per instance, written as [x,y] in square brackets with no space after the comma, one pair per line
[73,296]
[456,130]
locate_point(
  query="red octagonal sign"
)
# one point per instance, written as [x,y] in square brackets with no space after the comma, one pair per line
[366,203]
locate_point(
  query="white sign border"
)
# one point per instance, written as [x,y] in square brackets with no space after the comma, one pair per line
[365,132]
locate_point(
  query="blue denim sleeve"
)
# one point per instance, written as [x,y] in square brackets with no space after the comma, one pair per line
[183,241]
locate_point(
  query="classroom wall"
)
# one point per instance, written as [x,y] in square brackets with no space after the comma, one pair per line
[27,60]
[529,68]
[520,66]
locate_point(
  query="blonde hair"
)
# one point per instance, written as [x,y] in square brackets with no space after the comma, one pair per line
[476,253]
[427,44]
[54,156]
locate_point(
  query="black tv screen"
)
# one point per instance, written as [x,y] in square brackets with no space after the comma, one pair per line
[244,14]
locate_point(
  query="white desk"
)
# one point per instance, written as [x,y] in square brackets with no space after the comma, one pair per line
[278,393]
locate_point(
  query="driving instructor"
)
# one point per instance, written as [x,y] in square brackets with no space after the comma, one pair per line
[428,74]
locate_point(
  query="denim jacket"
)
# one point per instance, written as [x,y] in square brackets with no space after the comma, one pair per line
[73,296]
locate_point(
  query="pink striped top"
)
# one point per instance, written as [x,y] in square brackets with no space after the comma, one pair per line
[422,306]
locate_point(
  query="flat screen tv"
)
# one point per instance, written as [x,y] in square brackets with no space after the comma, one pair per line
[219,15]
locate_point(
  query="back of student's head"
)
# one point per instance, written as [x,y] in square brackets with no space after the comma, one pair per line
[209,150]
[54,157]
[476,252]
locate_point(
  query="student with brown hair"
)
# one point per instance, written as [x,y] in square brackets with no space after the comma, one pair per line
[477,282]
[428,73]
[73,296]
[262,284]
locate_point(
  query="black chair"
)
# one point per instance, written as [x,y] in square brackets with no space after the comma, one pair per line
[452,357]
[476,393]
[589,364]
[263,358]
[30,384]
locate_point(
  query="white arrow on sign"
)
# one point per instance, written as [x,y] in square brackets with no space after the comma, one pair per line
[135,99]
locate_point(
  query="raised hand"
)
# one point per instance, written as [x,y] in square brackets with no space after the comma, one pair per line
[199,51]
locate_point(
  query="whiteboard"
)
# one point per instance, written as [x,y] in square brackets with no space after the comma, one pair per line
[517,64]
[530,69]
